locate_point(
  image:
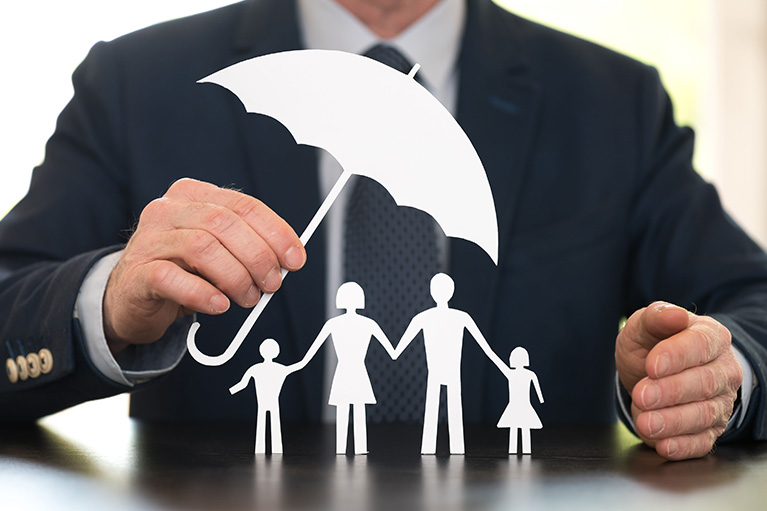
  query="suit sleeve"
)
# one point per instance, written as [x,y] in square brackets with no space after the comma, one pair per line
[685,249]
[74,213]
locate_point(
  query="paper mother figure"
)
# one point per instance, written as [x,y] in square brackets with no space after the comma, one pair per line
[269,376]
[443,339]
[351,334]
[519,414]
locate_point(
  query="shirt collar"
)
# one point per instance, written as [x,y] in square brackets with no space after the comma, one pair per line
[433,41]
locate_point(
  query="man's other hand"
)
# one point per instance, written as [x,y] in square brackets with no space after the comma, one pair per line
[683,378]
[193,250]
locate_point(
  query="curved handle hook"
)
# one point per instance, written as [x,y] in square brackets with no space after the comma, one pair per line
[242,333]
[221,359]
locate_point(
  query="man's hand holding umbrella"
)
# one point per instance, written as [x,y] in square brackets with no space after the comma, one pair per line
[194,250]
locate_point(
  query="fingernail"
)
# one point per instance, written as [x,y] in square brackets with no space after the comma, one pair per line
[671,447]
[662,365]
[219,304]
[252,296]
[655,423]
[272,280]
[295,258]
[650,395]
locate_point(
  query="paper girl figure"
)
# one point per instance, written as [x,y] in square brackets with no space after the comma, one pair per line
[351,334]
[519,414]
[269,377]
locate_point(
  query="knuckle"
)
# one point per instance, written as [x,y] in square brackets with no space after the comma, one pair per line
[734,375]
[263,260]
[710,381]
[156,209]
[181,186]
[217,219]
[160,276]
[709,415]
[200,244]
[247,206]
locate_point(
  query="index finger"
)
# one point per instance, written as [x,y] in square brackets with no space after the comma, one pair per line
[703,341]
[280,237]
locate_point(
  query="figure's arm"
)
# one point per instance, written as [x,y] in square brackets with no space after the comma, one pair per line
[474,331]
[537,387]
[242,383]
[410,332]
[385,342]
[316,345]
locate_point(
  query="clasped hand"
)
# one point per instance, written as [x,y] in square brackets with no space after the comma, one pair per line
[683,378]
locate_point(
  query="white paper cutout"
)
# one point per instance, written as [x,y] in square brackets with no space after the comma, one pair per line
[269,376]
[519,415]
[351,334]
[443,339]
[376,122]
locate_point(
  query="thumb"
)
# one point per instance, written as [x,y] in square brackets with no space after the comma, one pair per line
[657,322]
[643,330]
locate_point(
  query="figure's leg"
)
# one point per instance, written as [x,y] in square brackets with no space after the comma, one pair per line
[342,428]
[430,417]
[261,430]
[513,434]
[455,419]
[360,429]
[276,431]
[526,441]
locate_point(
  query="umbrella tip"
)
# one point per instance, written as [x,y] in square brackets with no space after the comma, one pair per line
[413,71]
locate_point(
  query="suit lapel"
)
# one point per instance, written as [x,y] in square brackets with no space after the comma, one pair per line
[497,108]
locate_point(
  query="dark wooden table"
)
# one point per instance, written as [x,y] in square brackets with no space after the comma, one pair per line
[130,465]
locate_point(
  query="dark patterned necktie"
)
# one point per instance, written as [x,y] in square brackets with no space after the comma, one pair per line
[391,252]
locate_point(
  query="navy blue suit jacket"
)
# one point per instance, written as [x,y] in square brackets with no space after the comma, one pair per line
[599,209]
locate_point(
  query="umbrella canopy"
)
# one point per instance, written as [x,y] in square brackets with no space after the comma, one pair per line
[376,122]
[379,123]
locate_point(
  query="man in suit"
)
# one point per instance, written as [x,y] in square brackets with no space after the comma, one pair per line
[600,213]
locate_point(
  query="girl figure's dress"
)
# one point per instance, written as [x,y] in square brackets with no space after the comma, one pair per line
[520,412]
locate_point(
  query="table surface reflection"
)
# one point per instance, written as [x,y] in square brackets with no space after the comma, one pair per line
[130,465]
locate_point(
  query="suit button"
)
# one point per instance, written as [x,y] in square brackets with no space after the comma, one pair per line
[33,364]
[46,361]
[21,363]
[11,370]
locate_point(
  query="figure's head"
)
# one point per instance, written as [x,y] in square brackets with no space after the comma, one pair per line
[350,296]
[442,287]
[519,358]
[269,349]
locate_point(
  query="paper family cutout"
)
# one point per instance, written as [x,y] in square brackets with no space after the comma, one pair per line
[382,124]
[351,333]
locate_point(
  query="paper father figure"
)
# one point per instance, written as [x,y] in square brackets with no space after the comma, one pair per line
[443,339]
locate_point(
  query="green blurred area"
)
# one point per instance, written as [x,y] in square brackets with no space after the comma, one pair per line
[670,35]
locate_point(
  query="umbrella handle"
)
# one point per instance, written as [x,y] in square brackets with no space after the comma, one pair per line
[244,330]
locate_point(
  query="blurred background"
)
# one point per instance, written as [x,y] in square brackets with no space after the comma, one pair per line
[711,54]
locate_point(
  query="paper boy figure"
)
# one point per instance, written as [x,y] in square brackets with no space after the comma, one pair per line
[519,415]
[269,377]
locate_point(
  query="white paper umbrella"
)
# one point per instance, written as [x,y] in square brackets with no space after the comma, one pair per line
[377,122]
